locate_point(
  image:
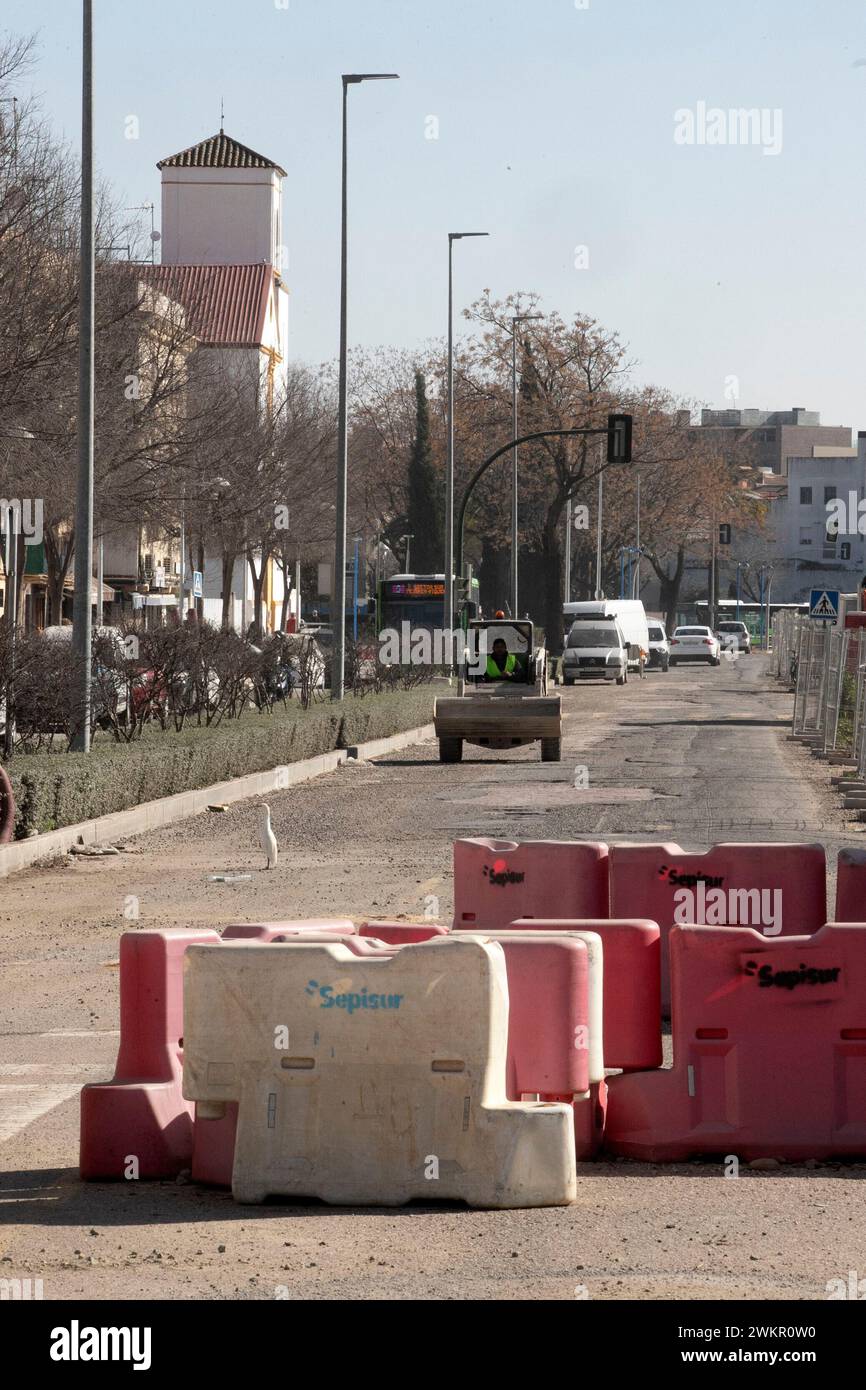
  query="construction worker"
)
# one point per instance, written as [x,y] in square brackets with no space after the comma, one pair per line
[501,663]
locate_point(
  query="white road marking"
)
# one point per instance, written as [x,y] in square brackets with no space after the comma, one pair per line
[50,1068]
[21,1105]
[82,1033]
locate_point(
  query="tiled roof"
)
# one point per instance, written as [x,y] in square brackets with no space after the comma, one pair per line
[219,152]
[225,304]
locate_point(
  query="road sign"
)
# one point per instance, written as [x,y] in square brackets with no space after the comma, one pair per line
[197,587]
[824,605]
[724,533]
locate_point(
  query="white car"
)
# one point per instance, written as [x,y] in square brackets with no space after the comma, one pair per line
[595,650]
[695,644]
[659,647]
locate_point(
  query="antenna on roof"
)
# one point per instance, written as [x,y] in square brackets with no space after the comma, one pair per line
[222,115]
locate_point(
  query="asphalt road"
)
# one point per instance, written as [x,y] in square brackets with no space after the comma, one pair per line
[693,756]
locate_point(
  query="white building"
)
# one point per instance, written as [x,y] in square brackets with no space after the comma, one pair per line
[222,258]
[803,542]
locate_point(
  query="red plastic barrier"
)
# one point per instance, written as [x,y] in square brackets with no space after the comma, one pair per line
[271,931]
[496,881]
[784,884]
[769,1051]
[402,933]
[141,1113]
[632,987]
[851,885]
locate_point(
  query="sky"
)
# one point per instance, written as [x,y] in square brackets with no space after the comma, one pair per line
[731,267]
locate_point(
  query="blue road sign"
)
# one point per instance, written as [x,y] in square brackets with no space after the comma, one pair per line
[824,605]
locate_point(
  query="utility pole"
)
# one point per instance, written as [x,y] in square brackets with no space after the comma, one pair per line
[518,318]
[338,587]
[82,621]
[636,593]
[598,592]
[449,460]
[567,575]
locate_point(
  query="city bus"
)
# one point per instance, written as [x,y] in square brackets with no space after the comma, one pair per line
[417,599]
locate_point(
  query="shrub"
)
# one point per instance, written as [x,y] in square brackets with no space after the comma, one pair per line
[51,791]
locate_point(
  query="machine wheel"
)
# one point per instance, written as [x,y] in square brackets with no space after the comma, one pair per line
[566,681]
[665,663]
[621,680]
[551,750]
[672,663]
[450,750]
[716,662]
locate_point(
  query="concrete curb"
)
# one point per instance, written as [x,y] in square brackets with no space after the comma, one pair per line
[153,815]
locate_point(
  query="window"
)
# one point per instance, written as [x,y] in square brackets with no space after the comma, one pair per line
[829,494]
[805,535]
[805,496]
[765,436]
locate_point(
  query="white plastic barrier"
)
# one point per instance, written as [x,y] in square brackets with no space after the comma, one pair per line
[365,1080]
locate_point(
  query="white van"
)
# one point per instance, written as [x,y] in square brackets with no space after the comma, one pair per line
[629,615]
[595,649]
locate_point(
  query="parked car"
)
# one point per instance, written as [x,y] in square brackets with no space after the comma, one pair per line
[595,650]
[109,692]
[628,614]
[695,644]
[659,647]
[734,637]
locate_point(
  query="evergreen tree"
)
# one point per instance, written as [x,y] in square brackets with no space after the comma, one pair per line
[424,512]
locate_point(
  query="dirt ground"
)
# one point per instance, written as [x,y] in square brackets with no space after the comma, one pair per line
[694,756]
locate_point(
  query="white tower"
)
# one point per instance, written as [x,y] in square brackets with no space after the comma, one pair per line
[222,204]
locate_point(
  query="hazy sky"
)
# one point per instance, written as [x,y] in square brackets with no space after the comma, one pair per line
[722,267]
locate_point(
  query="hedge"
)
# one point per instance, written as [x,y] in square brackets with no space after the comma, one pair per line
[56,789]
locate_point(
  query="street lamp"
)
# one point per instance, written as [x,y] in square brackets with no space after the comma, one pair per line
[338,617]
[81,612]
[516,319]
[449,472]
[10,570]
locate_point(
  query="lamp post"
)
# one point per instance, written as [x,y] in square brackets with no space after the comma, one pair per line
[517,318]
[81,613]
[636,591]
[10,569]
[567,560]
[598,591]
[449,466]
[338,616]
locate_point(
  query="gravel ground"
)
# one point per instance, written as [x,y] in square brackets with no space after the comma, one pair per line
[693,756]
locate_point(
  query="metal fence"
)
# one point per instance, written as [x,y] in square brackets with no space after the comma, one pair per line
[826,668]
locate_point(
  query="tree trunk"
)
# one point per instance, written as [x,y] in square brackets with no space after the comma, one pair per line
[199,602]
[258,589]
[228,565]
[551,550]
[57,560]
[669,590]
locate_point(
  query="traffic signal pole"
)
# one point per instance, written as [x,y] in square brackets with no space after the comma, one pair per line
[619,442]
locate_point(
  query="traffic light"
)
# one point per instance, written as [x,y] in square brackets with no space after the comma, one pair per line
[619,438]
[724,533]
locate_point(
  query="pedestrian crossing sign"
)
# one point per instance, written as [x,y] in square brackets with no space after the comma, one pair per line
[824,605]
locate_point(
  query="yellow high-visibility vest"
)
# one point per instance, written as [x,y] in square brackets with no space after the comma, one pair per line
[493,670]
